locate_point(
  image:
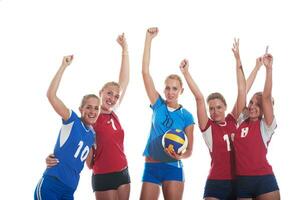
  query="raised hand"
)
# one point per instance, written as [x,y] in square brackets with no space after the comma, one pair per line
[259,62]
[122,41]
[236,50]
[268,61]
[67,60]
[151,33]
[184,66]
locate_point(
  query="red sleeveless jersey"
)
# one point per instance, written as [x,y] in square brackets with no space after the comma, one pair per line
[251,143]
[109,153]
[218,140]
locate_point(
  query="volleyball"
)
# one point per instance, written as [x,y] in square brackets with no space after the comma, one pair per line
[175,141]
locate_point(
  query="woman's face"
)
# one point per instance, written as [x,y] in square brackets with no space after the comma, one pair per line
[255,107]
[109,97]
[172,90]
[217,110]
[90,111]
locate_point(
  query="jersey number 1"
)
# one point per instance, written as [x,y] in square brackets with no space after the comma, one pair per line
[226,139]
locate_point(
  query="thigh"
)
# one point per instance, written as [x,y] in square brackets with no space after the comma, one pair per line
[123,192]
[150,191]
[106,195]
[267,186]
[173,190]
[275,195]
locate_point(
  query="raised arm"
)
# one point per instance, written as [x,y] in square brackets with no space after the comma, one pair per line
[252,76]
[124,71]
[267,103]
[241,82]
[200,101]
[56,103]
[148,81]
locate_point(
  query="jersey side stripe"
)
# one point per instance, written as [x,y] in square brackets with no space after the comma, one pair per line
[65,133]
[207,136]
[38,190]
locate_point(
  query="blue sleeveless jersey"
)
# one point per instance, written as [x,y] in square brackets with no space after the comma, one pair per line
[162,121]
[72,148]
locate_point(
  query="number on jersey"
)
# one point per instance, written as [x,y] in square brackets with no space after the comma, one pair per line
[84,153]
[227,140]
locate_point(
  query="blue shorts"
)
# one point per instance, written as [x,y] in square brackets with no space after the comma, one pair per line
[51,188]
[253,186]
[221,189]
[159,172]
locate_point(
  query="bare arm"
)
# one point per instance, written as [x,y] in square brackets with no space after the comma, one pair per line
[148,81]
[189,133]
[200,101]
[241,82]
[56,103]
[124,71]
[189,149]
[90,159]
[267,92]
[252,76]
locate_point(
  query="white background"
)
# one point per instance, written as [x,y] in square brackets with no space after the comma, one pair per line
[35,35]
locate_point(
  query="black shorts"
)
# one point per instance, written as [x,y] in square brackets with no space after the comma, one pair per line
[221,189]
[253,186]
[110,181]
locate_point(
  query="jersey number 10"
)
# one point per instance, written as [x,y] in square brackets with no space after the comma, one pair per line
[84,152]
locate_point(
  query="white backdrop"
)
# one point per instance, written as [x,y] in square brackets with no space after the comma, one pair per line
[35,35]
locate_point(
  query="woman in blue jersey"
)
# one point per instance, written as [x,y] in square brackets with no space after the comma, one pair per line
[110,178]
[73,145]
[161,167]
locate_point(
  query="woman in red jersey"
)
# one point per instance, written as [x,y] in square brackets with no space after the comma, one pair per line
[255,177]
[110,179]
[218,131]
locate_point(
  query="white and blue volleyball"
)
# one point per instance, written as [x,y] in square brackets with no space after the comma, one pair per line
[175,140]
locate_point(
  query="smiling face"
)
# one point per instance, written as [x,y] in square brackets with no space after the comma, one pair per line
[89,109]
[255,107]
[109,96]
[173,88]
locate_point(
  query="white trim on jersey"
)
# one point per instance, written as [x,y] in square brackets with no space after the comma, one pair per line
[242,117]
[267,131]
[65,133]
[207,136]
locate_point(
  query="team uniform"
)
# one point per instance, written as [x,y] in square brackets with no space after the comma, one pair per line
[72,148]
[254,174]
[220,182]
[163,119]
[110,164]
